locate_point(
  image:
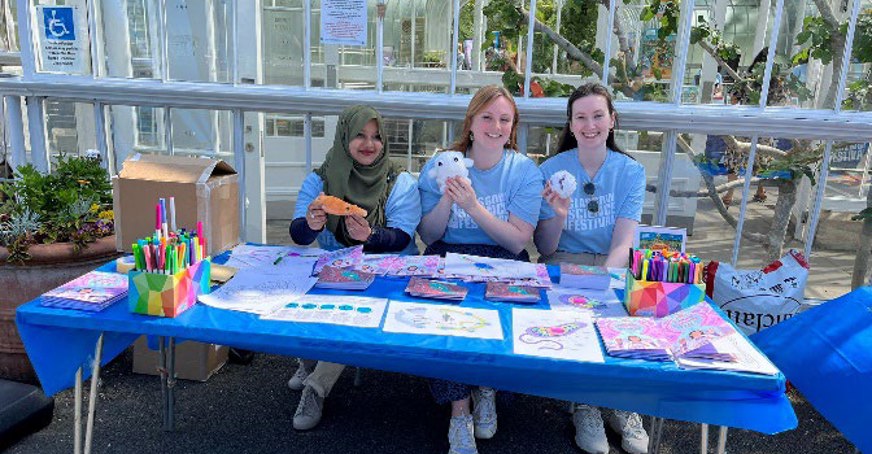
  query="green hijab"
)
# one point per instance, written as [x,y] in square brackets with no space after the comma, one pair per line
[365,186]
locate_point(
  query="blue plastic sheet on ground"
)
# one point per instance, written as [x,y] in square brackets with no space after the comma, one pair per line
[59,341]
[826,352]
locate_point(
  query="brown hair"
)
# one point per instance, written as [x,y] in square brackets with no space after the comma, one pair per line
[482,98]
[567,140]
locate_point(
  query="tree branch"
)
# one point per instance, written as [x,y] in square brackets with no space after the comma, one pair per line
[826,12]
[711,51]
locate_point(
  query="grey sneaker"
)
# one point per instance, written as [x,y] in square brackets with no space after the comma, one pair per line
[484,413]
[296,382]
[309,410]
[460,437]
[590,434]
[634,439]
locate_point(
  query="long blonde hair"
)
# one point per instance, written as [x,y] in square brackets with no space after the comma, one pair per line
[482,98]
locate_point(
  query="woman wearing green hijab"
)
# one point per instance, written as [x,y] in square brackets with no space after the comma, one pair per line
[358,171]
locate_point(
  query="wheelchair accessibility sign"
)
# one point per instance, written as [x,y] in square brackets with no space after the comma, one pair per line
[58,23]
[63,41]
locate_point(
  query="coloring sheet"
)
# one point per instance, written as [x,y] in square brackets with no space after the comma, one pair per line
[486,267]
[558,335]
[359,311]
[253,291]
[248,256]
[442,320]
[401,265]
[619,278]
[597,303]
[340,258]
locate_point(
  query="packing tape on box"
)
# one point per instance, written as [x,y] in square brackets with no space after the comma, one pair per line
[124,264]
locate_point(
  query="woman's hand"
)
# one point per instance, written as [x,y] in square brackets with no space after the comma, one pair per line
[557,203]
[461,192]
[358,228]
[316,217]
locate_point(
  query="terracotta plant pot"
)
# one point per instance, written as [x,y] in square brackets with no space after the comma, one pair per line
[50,266]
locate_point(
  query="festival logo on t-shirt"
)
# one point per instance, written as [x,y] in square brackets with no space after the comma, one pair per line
[495,204]
[580,218]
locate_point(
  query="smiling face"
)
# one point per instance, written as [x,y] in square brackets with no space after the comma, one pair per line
[492,126]
[367,146]
[591,121]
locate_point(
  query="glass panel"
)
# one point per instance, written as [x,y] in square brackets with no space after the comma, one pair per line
[283,43]
[344,66]
[130,45]
[198,132]
[69,127]
[8,27]
[199,40]
[839,238]
[135,129]
[417,47]
[61,40]
[858,95]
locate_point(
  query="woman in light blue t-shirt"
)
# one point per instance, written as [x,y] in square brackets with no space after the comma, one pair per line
[594,226]
[492,214]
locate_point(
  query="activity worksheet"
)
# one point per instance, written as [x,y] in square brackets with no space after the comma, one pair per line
[442,320]
[252,290]
[598,303]
[472,265]
[359,311]
[558,335]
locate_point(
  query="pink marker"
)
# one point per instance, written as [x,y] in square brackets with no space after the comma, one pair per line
[200,236]
[157,221]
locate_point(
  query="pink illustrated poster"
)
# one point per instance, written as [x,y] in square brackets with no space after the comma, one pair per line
[340,258]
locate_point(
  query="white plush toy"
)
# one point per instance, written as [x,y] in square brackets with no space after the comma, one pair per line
[449,164]
[563,183]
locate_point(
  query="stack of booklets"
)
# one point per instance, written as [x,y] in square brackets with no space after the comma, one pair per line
[93,292]
[443,290]
[344,278]
[501,291]
[689,333]
[584,276]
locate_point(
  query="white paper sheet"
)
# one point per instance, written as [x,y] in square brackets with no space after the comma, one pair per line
[748,359]
[619,278]
[358,311]
[442,320]
[558,335]
[596,303]
[472,265]
[248,256]
[252,290]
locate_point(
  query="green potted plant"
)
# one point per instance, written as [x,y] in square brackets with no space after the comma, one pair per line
[53,227]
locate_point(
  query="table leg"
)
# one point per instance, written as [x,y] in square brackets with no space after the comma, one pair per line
[703,440]
[654,435]
[92,401]
[162,369]
[171,384]
[722,440]
[77,418]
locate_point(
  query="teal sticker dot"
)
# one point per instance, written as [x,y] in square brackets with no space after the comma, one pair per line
[346,307]
[293,305]
[309,306]
[328,307]
[364,310]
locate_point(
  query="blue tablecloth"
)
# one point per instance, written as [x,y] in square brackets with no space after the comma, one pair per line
[58,341]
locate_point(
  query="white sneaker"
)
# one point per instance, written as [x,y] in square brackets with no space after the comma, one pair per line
[634,439]
[296,382]
[460,437]
[484,413]
[590,434]
[309,410]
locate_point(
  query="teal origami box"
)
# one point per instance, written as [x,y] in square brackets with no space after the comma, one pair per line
[168,295]
[659,299]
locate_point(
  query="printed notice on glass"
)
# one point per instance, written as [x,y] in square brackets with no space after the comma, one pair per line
[343,22]
[63,40]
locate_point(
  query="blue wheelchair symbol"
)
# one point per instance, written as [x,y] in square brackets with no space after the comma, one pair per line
[58,23]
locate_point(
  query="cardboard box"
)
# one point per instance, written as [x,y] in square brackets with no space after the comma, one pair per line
[204,189]
[659,299]
[194,360]
[167,295]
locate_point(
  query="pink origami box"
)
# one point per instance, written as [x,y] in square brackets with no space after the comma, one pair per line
[167,295]
[659,299]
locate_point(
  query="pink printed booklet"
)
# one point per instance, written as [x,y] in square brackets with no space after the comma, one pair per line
[428,288]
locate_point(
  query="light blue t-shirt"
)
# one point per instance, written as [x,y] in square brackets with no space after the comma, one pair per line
[513,186]
[402,209]
[620,192]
